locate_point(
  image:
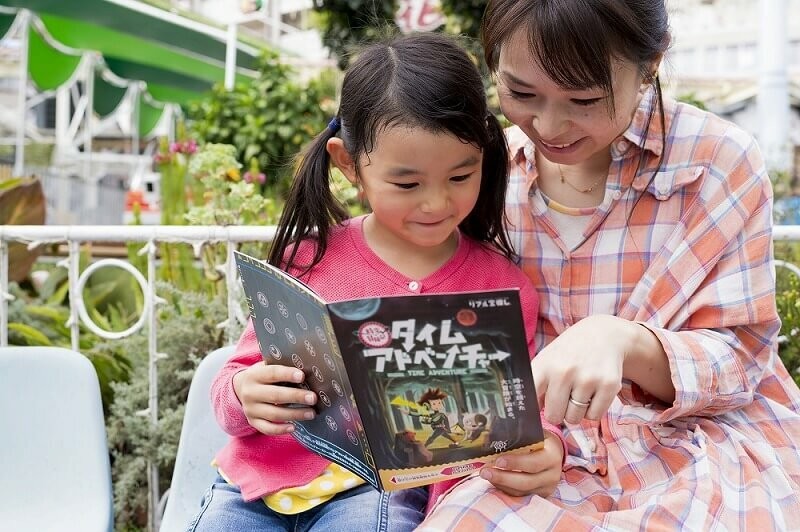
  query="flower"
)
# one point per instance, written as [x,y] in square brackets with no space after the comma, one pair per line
[250,177]
[233,175]
[162,158]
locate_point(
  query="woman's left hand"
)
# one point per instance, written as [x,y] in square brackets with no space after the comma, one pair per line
[580,372]
[537,472]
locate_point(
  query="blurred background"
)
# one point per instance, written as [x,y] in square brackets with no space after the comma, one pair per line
[738,58]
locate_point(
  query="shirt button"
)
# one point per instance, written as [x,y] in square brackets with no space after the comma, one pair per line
[413,285]
[622,146]
[617,194]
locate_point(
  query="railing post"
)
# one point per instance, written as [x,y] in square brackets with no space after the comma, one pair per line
[152,402]
[73,273]
[5,296]
[230,282]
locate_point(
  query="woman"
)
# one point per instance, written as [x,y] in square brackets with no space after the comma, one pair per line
[645,225]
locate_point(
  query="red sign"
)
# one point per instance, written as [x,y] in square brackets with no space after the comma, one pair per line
[419,15]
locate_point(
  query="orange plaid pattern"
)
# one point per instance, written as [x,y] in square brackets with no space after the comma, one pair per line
[688,255]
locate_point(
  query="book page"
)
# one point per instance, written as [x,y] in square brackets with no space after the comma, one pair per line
[293,329]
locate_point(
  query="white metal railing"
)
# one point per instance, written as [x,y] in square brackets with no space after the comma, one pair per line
[197,236]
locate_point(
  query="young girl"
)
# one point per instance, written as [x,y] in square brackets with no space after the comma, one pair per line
[414,133]
[645,224]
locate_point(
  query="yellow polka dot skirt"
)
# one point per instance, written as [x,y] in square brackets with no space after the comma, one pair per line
[335,479]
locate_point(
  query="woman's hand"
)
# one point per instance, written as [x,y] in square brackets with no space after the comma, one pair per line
[536,472]
[264,399]
[579,373]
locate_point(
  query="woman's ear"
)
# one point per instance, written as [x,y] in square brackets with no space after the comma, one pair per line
[341,159]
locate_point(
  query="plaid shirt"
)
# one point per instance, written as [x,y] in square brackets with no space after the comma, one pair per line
[693,262]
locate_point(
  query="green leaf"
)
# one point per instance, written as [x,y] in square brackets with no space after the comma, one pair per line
[29,334]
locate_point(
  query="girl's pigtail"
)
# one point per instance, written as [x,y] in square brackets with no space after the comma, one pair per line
[486,222]
[311,209]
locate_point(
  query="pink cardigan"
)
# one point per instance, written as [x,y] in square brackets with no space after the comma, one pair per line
[261,464]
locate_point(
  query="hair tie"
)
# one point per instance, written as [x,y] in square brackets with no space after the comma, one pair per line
[335,124]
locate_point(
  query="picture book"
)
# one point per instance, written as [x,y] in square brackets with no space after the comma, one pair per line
[411,390]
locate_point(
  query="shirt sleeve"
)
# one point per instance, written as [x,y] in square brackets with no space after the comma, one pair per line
[227,407]
[716,316]
[530,312]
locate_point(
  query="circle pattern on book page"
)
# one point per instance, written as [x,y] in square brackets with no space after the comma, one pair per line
[310,348]
[301,321]
[329,362]
[317,373]
[275,352]
[290,335]
[331,423]
[262,299]
[337,388]
[345,413]
[324,398]
[352,437]
[282,309]
[269,326]
[297,361]
[321,335]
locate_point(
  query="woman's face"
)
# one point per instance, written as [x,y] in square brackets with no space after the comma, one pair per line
[567,126]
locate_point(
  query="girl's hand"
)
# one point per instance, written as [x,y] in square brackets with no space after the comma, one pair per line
[264,399]
[537,472]
[580,372]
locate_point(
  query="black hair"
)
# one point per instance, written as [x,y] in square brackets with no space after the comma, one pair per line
[423,81]
[576,42]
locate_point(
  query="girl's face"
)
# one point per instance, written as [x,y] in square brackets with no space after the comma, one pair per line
[420,186]
[567,126]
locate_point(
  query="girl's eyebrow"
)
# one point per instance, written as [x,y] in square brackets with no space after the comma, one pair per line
[403,171]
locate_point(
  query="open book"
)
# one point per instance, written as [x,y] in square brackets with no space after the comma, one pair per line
[411,389]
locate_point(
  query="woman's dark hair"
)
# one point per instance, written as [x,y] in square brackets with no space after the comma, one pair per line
[421,81]
[576,42]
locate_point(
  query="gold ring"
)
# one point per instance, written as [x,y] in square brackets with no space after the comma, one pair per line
[580,404]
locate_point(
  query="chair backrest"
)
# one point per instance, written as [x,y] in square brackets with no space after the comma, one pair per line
[201,438]
[53,447]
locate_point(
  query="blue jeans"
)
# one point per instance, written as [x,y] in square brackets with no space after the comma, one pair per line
[358,509]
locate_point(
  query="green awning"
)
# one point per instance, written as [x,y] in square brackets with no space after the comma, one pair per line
[6,21]
[48,67]
[149,115]
[145,22]
[107,95]
[178,59]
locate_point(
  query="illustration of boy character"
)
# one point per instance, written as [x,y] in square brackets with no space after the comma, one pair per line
[433,399]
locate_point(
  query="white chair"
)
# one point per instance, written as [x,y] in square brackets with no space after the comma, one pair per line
[53,448]
[201,438]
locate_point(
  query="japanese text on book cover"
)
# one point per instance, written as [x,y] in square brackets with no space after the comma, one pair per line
[411,389]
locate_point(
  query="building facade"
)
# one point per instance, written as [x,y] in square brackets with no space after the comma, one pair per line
[716,58]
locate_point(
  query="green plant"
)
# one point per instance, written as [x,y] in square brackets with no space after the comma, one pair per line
[787,295]
[692,99]
[187,332]
[347,25]
[39,316]
[269,119]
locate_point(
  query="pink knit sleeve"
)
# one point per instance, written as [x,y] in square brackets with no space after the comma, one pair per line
[227,408]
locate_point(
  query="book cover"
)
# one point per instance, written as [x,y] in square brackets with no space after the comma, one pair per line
[411,390]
